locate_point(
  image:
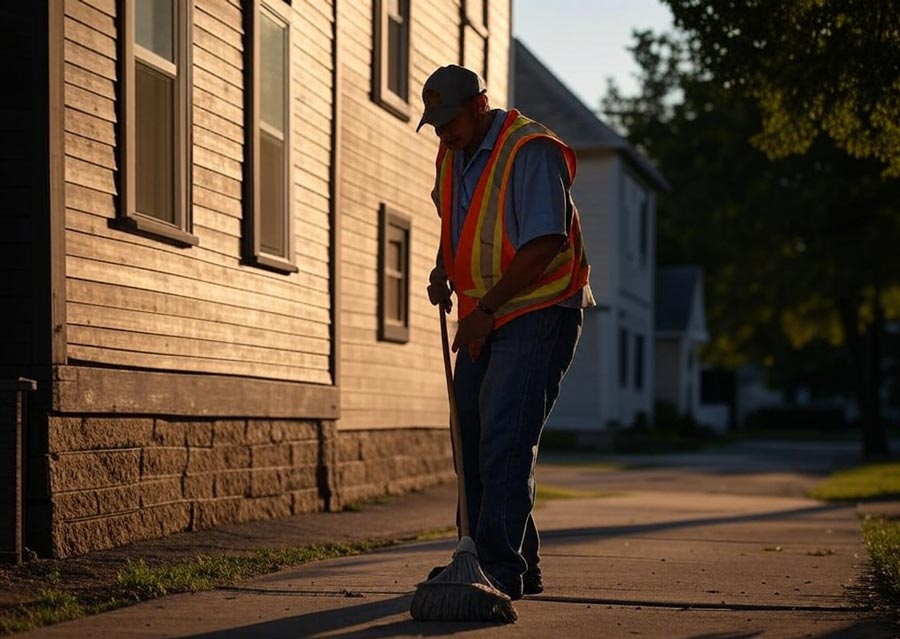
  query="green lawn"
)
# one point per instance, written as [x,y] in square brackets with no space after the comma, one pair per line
[882,537]
[873,481]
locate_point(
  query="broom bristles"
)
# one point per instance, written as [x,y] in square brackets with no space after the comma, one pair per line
[462,592]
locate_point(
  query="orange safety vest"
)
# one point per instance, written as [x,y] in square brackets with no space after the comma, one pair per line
[485,250]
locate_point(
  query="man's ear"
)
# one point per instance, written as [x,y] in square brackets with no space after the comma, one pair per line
[482,102]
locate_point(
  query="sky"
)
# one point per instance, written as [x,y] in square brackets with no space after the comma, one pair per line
[584,41]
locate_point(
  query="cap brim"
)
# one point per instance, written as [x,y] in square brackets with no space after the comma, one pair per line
[439,116]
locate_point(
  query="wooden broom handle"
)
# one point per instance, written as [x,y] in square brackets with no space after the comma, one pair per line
[455,436]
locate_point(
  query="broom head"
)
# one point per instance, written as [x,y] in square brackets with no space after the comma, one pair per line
[462,592]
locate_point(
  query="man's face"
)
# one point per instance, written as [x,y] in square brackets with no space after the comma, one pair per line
[459,132]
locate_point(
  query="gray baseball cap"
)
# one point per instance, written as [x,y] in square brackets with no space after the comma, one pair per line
[444,92]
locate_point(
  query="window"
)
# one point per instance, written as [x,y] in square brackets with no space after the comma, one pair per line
[393,297]
[623,357]
[639,362]
[474,36]
[644,230]
[155,148]
[268,219]
[390,77]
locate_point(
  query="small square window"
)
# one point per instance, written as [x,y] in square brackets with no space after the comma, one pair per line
[393,267]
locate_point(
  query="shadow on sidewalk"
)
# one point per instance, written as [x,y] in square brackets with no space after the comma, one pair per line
[636,529]
[346,619]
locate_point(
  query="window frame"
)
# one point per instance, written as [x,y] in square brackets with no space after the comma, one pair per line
[383,95]
[479,24]
[389,330]
[253,253]
[128,218]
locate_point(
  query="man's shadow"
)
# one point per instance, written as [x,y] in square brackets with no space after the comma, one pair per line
[343,618]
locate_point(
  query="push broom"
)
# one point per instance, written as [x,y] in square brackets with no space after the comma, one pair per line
[460,592]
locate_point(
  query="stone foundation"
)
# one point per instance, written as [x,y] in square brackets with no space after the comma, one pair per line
[118,480]
[374,463]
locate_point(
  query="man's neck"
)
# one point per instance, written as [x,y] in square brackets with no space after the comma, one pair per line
[484,125]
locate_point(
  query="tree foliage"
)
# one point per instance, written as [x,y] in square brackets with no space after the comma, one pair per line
[812,66]
[798,253]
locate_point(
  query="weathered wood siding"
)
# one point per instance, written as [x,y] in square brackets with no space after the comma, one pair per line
[388,385]
[139,302]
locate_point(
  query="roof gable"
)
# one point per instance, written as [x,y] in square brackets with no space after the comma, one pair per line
[679,300]
[540,95]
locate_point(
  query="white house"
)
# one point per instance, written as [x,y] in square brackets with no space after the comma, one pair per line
[680,330]
[611,379]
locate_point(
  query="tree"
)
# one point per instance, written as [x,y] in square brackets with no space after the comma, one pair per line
[813,66]
[795,251]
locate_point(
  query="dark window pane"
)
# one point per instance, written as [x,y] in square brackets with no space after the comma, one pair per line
[623,357]
[397,57]
[644,231]
[272,214]
[154,26]
[154,143]
[272,72]
[639,362]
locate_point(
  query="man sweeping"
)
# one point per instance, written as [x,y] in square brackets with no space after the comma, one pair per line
[512,250]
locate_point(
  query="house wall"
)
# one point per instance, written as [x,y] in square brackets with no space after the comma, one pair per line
[636,317]
[609,196]
[138,302]
[581,400]
[199,390]
[595,192]
[384,384]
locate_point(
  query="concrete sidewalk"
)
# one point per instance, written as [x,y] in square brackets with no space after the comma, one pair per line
[664,559]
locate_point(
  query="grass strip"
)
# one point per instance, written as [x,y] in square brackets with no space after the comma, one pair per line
[882,538]
[868,482]
[546,492]
[139,581]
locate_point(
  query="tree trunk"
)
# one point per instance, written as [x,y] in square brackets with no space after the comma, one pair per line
[875,443]
[864,354]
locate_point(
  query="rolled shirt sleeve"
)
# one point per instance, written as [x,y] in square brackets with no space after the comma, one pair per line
[540,204]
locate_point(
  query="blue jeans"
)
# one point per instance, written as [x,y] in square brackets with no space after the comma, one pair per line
[503,400]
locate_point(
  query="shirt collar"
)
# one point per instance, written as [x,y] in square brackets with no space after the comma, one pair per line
[487,144]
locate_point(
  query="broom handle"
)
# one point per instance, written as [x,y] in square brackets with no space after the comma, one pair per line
[455,436]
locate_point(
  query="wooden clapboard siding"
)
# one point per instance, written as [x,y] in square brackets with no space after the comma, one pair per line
[137,302]
[388,385]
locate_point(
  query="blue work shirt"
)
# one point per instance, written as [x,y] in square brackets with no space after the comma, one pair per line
[537,200]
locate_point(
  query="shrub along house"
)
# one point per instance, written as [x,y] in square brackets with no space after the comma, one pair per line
[218,230]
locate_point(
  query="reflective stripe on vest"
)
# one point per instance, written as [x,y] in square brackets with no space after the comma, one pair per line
[484,250]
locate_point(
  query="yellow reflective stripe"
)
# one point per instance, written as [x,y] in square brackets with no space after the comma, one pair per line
[488,227]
